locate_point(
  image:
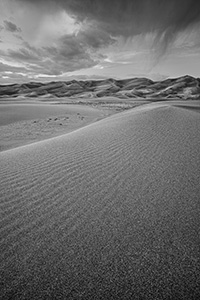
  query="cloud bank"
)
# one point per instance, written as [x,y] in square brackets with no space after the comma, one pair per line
[60,36]
[132,17]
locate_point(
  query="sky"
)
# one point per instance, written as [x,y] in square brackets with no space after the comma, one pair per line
[47,40]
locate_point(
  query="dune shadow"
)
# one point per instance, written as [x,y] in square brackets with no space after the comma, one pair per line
[189,107]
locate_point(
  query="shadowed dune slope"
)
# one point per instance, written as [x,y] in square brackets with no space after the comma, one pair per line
[185,87]
[110,211]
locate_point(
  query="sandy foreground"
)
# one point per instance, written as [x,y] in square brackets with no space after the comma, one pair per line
[22,123]
[108,211]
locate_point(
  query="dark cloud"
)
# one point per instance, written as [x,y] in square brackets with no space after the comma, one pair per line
[69,48]
[101,22]
[9,26]
[26,53]
[68,55]
[128,18]
[95,38]
[19,37]
[23,54]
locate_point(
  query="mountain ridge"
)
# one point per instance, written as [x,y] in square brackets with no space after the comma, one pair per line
[184,87]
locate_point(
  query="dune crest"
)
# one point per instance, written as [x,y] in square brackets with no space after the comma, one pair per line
[186,87]
[109,211]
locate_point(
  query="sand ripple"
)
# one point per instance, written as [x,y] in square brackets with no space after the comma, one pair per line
[110,211]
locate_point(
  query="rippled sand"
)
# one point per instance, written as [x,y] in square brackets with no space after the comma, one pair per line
[109,211]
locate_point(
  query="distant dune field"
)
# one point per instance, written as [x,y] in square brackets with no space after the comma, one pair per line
[109,211]
[184,87]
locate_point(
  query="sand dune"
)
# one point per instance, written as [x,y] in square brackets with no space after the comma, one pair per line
[109,211]
[11,113]
[185,87]
[21,124]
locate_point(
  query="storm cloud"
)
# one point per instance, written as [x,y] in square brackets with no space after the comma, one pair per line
[129,18]
[9,26]
[68,55]
[61,36]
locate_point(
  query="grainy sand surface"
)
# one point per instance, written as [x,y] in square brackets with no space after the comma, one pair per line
[22,124]
[109,211]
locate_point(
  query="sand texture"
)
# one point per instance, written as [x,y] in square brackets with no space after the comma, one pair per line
[109,211]
[21,124]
